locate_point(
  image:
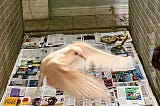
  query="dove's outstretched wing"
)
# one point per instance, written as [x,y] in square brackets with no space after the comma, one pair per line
[57,55]
[74,82]
[101,58]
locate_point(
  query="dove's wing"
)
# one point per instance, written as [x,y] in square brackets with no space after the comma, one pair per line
[74,82]
[54,55]
[101,58]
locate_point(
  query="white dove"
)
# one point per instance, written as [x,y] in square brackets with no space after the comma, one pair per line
[101,58]
[59,74]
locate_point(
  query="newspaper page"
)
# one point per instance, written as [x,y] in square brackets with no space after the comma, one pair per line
[130,95]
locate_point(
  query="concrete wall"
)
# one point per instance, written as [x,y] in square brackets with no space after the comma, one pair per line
[145,30]
[70,15]
[89,7]
[11,35]
[35,9]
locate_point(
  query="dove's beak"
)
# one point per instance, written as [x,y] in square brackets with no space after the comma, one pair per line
[83,57]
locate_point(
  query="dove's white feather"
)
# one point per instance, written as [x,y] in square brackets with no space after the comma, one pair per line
[101,58]
[74,82]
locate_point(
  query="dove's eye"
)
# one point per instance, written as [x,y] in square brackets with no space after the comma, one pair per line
[76,53]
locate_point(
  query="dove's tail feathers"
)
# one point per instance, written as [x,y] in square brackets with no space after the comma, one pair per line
[113,62]
[125,63]
[130,63]
[120,63]
[76,83]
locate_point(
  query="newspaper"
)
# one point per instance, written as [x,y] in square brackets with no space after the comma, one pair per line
[24,78]
[54,40]
[130,95]
[118,36]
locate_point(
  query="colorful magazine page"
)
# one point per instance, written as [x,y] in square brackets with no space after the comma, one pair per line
[10,101]
[15,92]
[48,100]
[135,83]
[20,76]
[114,78]
[136,74]
[36,102]
[60,100]
[130,95]
[25,101]
[21,70]
[33,83]
[108,82]
[36,63]
[130,50]
[133,93]
[19,82]
[29,63]
[123,77]
[59,92]
[106,73]
[24,63]
[120,52]
[32,70]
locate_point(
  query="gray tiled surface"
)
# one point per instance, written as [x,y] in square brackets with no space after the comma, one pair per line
[145,28]
[11,34]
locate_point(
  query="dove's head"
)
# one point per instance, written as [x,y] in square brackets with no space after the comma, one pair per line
[75,53]
[72,56]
